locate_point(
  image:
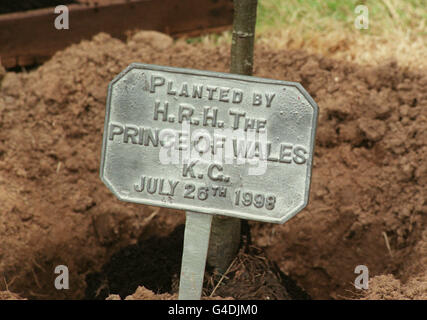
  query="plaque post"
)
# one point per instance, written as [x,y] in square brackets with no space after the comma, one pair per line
[196,243]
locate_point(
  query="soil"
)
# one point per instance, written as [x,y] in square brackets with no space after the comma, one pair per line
[368,197]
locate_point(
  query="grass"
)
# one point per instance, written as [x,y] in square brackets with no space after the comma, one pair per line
[327,15]
[397,29]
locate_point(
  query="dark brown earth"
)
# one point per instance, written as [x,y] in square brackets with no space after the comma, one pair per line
[8,6]
[368,186]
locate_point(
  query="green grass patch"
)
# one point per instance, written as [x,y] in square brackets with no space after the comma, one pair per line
[324,15]
[403,22]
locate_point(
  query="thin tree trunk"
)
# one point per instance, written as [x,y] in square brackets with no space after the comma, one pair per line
[242,47]
[225,232]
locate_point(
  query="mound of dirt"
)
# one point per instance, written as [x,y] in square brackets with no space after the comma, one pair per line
[414,283]
[387,287]
[368,197]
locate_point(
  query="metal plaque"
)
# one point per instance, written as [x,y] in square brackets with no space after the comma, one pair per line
[209,142]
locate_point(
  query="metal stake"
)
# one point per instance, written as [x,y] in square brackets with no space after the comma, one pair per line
[196,243]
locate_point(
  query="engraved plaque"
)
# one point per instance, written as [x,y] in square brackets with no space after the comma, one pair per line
[209,142]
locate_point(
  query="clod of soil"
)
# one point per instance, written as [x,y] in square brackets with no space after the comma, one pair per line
[368,197]
[143,293]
